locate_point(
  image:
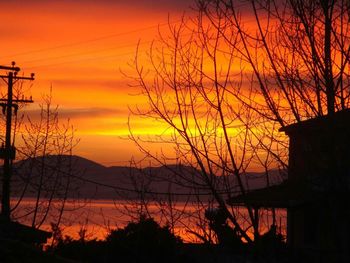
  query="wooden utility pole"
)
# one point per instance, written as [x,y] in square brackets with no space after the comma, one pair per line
[8,151]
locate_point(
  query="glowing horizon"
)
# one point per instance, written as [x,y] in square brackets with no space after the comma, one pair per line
[80,49]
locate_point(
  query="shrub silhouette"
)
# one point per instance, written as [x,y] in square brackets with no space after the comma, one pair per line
[141,241]
[144,239]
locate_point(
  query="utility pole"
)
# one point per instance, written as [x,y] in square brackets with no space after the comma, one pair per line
[8,151]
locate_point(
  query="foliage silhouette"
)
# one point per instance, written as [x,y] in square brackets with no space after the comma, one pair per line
[141,241]
[144,239]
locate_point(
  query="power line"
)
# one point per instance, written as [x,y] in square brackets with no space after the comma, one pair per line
[82,60]
[88,40]
[84,53]
[95,40]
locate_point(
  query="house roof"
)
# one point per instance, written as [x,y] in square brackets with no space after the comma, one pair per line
[338,120]
[284,195]
[16,231]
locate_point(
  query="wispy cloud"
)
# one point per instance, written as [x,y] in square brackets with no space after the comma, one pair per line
[79,113]
[92,83]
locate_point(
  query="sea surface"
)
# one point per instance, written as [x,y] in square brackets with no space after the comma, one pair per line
[94,219]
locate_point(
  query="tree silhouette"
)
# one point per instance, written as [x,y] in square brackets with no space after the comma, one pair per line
[35,172]
[225,81]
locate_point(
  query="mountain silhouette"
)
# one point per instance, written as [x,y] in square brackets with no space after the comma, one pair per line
[88,179]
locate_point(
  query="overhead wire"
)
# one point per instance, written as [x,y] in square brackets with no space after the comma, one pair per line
[83,53]
[88,52]
[81,60]
[89,40]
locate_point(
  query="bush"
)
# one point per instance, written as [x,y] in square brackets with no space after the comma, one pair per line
[144,240]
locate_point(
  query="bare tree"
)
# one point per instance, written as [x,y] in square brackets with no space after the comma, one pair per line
[224,82]
[298,52]
[194,93]
[44,168]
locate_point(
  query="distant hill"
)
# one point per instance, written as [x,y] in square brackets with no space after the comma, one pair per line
[88,179]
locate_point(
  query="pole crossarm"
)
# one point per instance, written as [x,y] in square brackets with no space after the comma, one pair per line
[18,101]
[18,77]
[13,68]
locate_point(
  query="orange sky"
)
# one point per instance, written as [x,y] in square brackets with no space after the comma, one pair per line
[80,48]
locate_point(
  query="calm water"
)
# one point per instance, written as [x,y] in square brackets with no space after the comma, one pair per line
[98,217]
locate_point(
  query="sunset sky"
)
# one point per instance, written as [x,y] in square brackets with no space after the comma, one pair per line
[80,49]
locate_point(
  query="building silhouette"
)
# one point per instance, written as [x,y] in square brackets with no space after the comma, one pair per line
[316,193]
